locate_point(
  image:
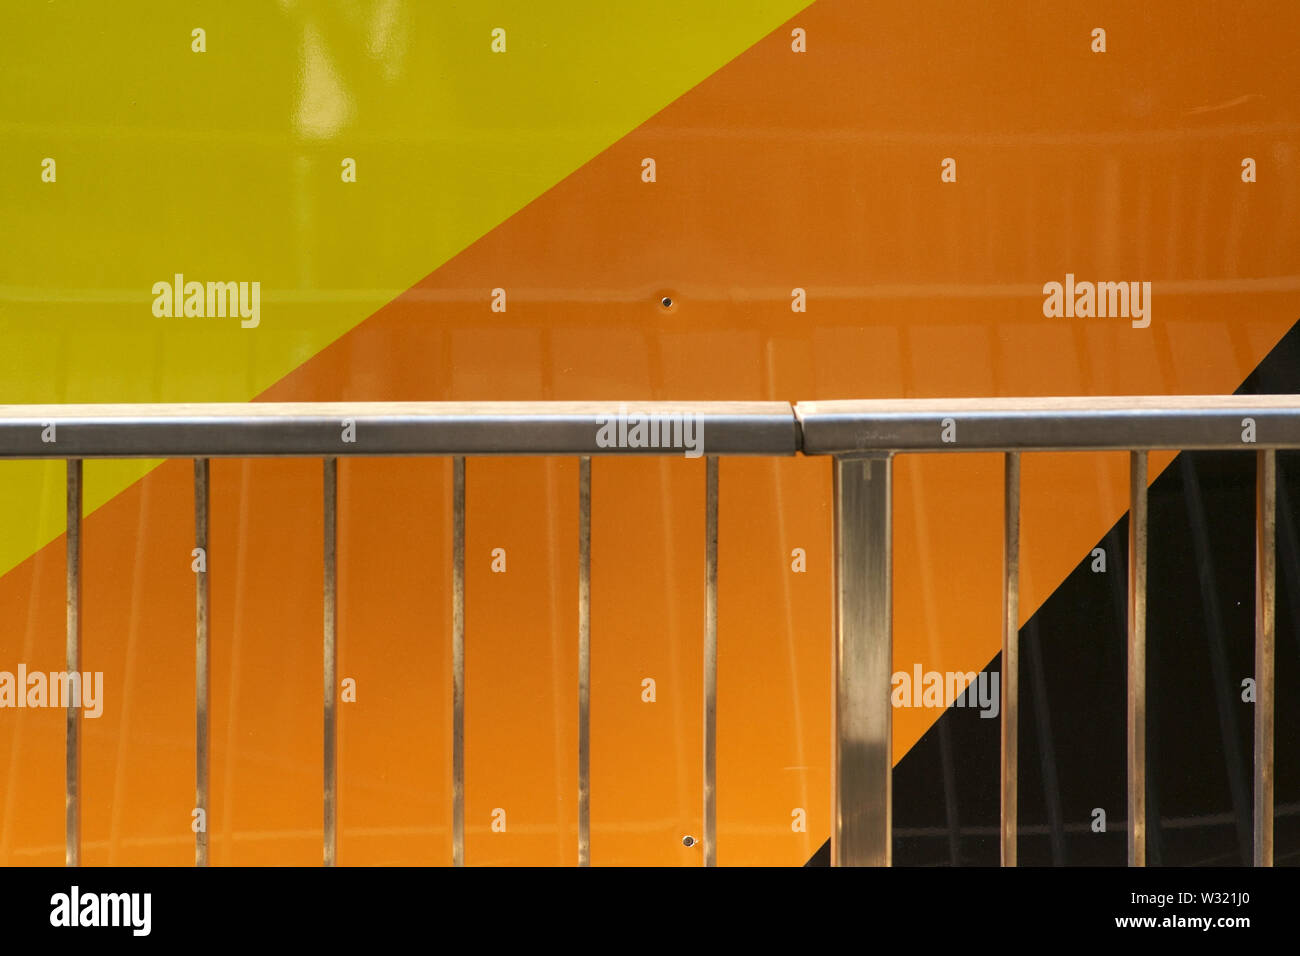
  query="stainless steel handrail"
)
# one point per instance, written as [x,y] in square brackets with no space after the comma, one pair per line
[320,429]
[1183,422]
[861,438]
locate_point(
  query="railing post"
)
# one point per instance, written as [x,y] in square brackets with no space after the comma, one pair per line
[1137,660]
[711,662]
[458,661]
[201,663]
[1265,597]
[861,763]
[72,795]
[1009,769]
[584,661]
[330,662]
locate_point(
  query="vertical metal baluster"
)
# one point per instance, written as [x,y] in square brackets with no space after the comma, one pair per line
[862,661]
[1010,759]
[584,661]
[458,663]
[72,805]
[201,669]
[331,659]
[1236,764]
[1137,660]
[711,662]
[1265,595]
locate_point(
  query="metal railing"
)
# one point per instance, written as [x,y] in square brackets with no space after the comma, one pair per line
[860,437]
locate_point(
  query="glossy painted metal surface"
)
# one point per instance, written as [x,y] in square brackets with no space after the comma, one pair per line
[381,171]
